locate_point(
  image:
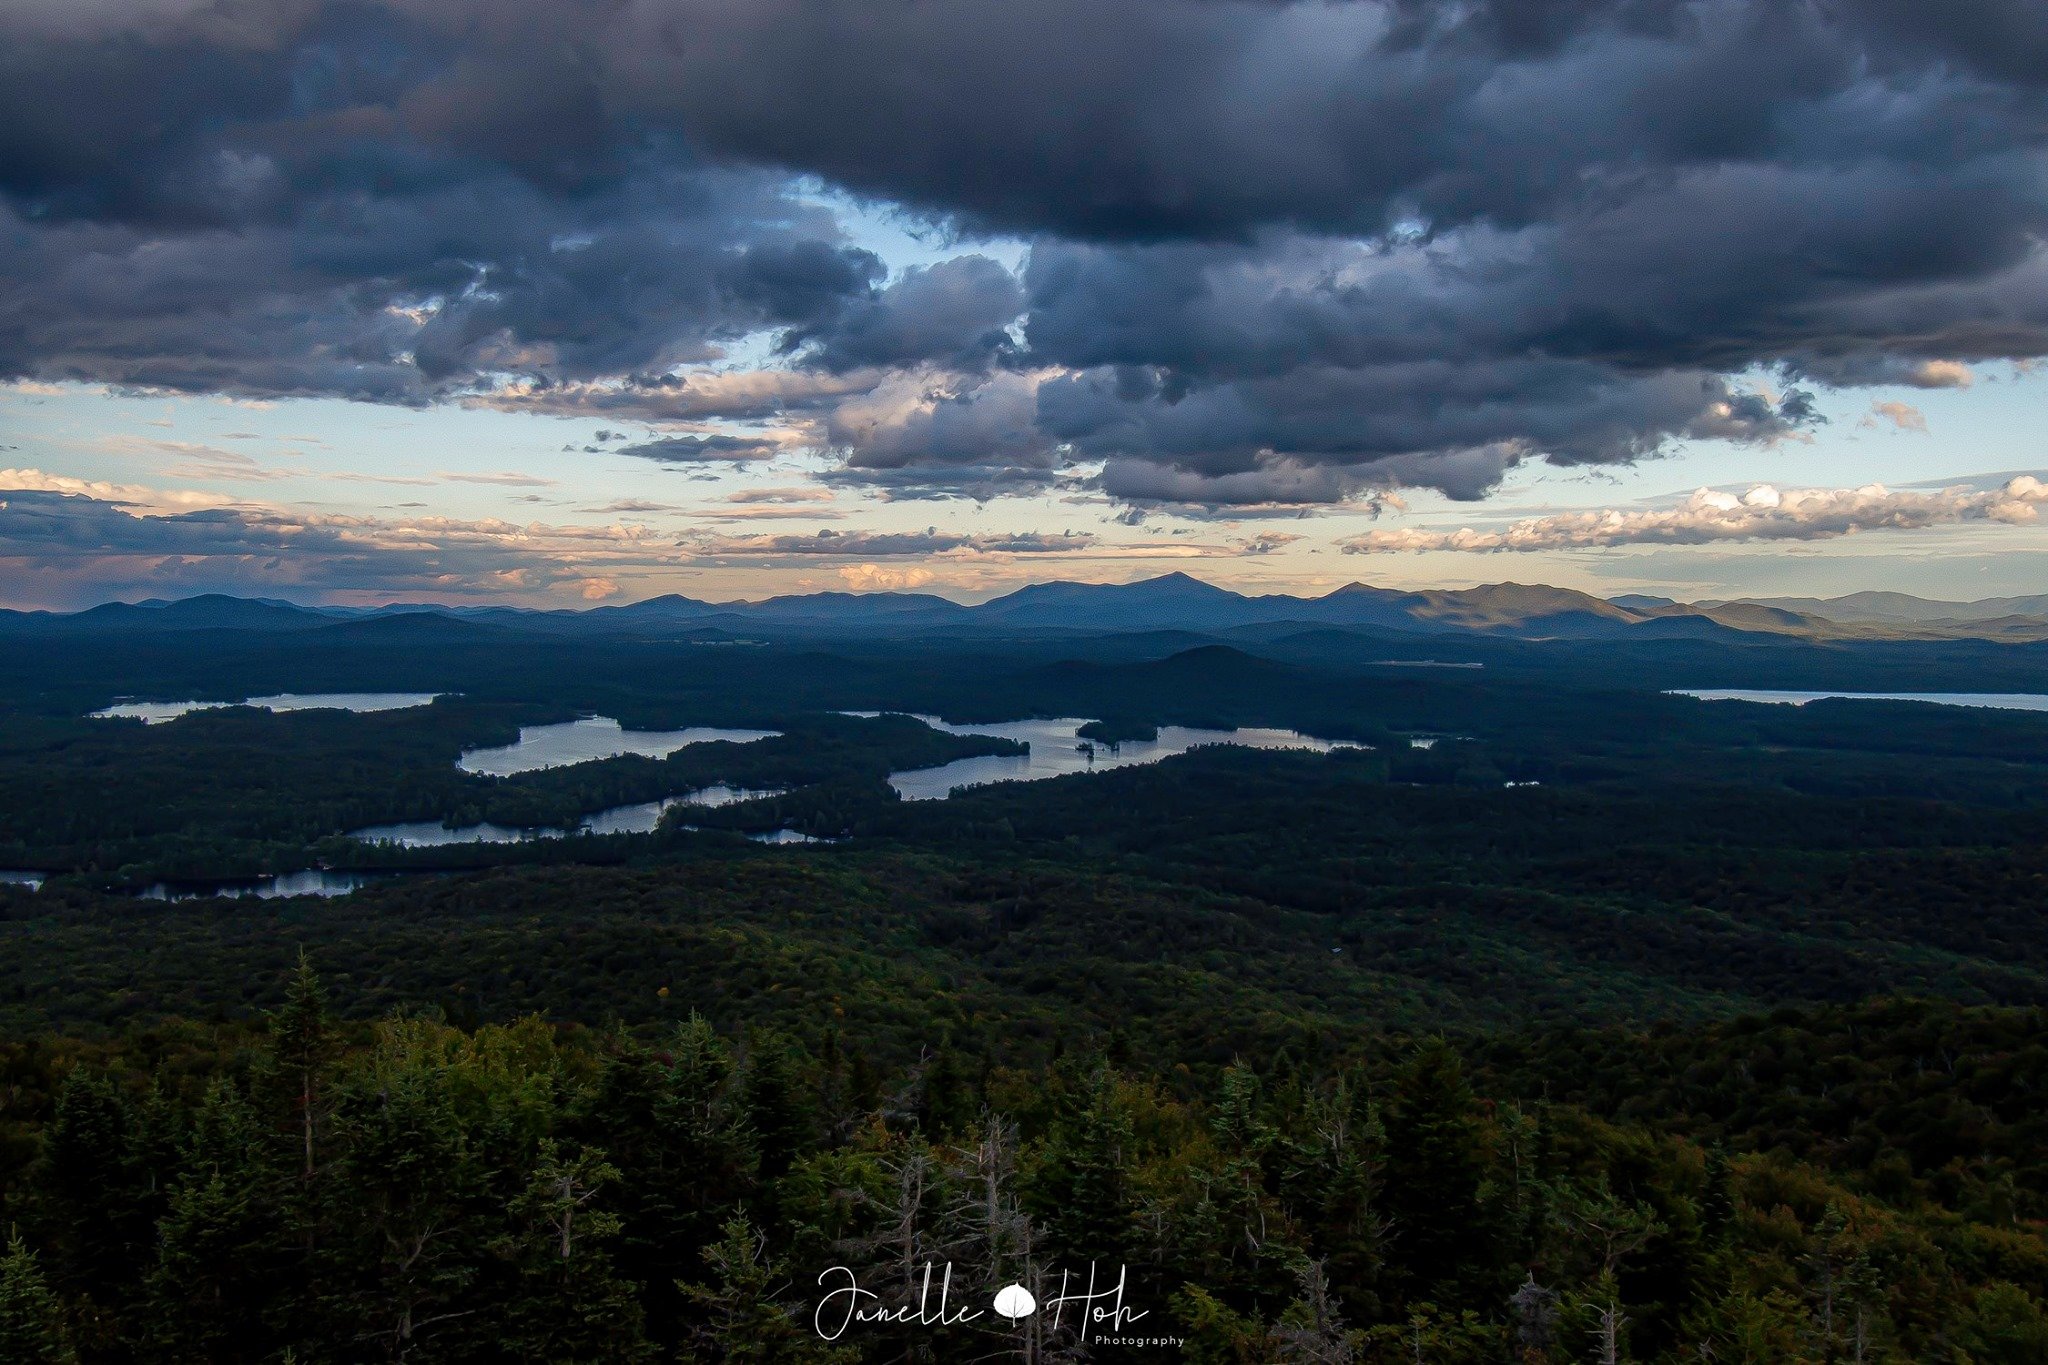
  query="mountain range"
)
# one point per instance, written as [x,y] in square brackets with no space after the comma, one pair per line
[1172,602]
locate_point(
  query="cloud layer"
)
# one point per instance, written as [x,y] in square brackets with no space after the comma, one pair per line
[68,540]
[1763,513]
[1278,250]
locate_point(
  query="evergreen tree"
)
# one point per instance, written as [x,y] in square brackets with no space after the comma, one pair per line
[1332,1177]
[31,1319]
[407,1203]
[777,1105]
[2005,1325]
[216,1268]
[97,1187]
[747,1323]
[1083,1192]
[671,1123]
[205,1296]
[568,1306]
[302,1040]
[1436,1163]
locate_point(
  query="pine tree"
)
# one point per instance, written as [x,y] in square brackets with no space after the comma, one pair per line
[215,1267]
[1435,1165]
[777,1105]
[303,1042]
[1332,1177]
[746,1321]
[98,1189]
[405,1205]
[568,1306]
[1083,1190]
[31,1319]
[205,1294]
[672,1124]
[1841,1287]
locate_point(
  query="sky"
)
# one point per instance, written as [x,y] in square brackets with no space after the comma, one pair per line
[558,302]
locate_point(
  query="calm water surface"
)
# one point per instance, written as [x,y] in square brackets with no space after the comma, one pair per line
[2003,701]
[1057,749]
[642,817]
[312,882]
[157,712]
[32,880]
[593,737]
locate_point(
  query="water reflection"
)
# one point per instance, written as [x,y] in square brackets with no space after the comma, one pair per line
[434,834]
[157,712]
[312,882]
[593,737]
[2002,701]
[645,816]
[642,817]
[1057,749]
[31,881]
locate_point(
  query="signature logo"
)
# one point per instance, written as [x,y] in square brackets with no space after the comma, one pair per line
[1093,1308]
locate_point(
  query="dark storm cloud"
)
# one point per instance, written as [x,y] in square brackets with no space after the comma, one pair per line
[1157,119]
[954,312]
[408,297]
[1280,251]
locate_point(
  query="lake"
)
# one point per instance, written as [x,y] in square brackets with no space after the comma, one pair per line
[588,739]
[33,881]
[2002,701]
[1056,751]
[312,882]
[642,817]
[157,712]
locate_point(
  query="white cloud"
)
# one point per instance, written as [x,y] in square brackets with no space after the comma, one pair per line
[877,578]
[1709,516]
[137,498]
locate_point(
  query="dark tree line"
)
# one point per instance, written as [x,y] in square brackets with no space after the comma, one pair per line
[409,1190]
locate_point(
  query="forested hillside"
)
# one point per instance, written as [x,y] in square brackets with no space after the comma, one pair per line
[1557,1020]
[1825,1186]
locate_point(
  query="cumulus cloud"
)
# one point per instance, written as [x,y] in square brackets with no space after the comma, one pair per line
[884,578]
[1291,252]
[1710,516]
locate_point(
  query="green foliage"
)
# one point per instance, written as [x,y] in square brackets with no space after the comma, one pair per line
[1725,1042]
[537,1192]
[745,1321]
[2005,1325]
[32,1330]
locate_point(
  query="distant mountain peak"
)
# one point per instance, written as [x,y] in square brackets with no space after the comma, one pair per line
[1175,603]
